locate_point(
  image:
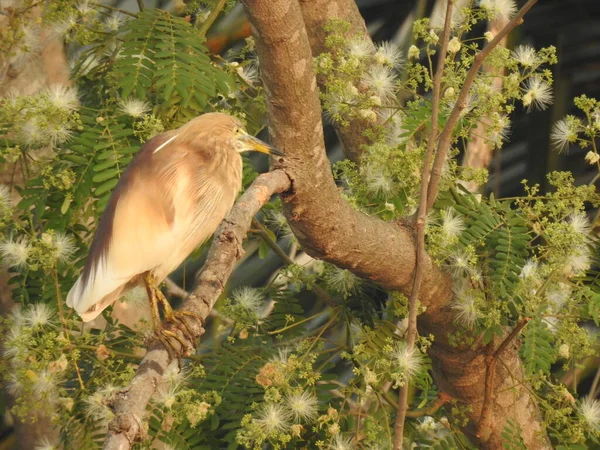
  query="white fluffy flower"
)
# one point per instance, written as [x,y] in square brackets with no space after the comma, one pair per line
[564,132]
[274,418]
[45,444]
[14,253]
[361,48]
[339,442]
[31,133]
[134,107]
[303,406]
[564,351]
[38,315]
[381,81]
[408,361]
[590,412]
[378,182]
[389,54]
[529,270]
[525,55]
[578,262]
[538,93]
[581,225]
[452,224]
[460,265]
[500,130]
[114,21]
[413,52]
[5,199]
[96,405]
[63,97]
[343,281]
[249,298]
[466,309]
[499,9]
[558,295]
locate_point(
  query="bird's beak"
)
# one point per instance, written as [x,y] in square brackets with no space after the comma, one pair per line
[257,145]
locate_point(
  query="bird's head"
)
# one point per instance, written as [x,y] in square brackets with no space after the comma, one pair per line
[222,131]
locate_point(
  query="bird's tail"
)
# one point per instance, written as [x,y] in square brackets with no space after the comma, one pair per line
[79,297]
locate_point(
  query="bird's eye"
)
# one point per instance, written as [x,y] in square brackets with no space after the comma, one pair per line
[237,130]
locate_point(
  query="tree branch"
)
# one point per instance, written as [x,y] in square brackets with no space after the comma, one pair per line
[446,135]
[130,404]
[421,214]
[316,14]
[326,226]
[329,229]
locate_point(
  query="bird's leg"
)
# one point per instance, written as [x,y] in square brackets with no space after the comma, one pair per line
[162,335]
[176,317]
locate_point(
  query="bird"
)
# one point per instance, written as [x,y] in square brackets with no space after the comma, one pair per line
[177,189]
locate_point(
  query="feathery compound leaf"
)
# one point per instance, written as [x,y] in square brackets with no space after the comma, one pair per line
[538,350]
[500,237]
[511,434]
[163,56]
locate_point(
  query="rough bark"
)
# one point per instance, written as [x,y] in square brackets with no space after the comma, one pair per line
[226,249]
[329,229]
[316,14]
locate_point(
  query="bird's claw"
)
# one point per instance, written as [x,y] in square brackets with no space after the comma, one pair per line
[175,345]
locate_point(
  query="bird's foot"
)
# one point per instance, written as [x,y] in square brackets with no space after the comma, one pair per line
[175,345]
[180,320]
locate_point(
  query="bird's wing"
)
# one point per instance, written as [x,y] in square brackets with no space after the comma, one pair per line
[134,233]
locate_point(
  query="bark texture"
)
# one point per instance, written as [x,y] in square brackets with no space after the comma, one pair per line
[328,228]
[316,14]
[226,249]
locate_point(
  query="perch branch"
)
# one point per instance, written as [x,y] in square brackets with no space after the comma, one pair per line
[421,214]
[130,405]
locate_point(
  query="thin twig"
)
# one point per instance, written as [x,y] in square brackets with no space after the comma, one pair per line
[211,17]
[114,9]
[140,4]
[174,289]
[461,102]
[420,225]
[261,230]
[264,235]
[484,426]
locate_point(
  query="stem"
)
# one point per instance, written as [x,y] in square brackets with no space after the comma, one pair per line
[212,17]
[140,4]
[66,330]
[421,254]
[114,9]
[264,235]
[461,102]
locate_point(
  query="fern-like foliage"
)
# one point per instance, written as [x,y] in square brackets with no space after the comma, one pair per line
[163,57]
[511,433]
[231,372]
[500,237]
[538,350]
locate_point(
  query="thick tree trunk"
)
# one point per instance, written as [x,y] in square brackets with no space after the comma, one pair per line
[329,229]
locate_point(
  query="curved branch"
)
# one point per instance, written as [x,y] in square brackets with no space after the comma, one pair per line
[226,249]
[326,226]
